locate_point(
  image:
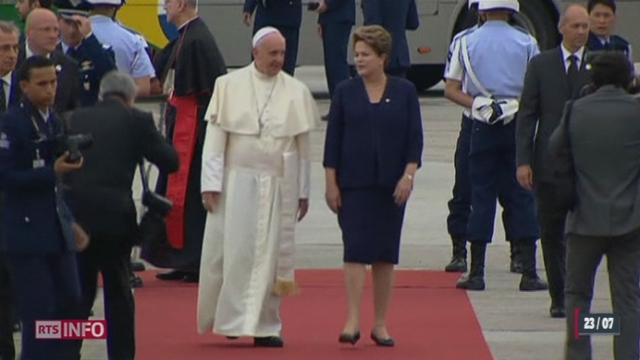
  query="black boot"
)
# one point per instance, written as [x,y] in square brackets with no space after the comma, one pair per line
[515,266]
[459,260]
[530,280]
[475,279]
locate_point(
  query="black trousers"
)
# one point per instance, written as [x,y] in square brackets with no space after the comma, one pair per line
[552,239]
[119,305]
[584,254]
[7,348]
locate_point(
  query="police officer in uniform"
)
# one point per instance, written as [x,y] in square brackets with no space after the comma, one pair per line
[336,19]
[78,41]
[460,204]
[129,48]
[601,38]
[495,58]
[38,228]
[396,17]
[284,15]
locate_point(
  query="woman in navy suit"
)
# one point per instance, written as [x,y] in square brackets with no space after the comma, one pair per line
[372,151]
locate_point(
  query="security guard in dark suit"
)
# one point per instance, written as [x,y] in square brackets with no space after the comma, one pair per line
[284,15]
[39,23]
[37,226]
[336,19]
[78,42]
[9,35]
[100,197]
[396,17]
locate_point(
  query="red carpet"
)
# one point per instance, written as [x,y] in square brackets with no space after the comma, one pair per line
[429,319]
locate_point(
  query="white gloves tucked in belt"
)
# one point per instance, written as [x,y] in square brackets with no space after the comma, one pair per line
[491,111]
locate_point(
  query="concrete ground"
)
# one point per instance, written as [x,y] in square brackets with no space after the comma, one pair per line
[516,325]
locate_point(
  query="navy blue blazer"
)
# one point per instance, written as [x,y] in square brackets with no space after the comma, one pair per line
[94,60]
[396,16]
[339,11]
[371,144]
[286,13]
[35,218]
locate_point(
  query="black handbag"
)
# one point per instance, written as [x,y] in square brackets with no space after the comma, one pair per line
[565,172]
[152,230]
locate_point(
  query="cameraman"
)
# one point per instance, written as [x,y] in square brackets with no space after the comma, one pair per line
[603,143]
[37,226]
[100,196]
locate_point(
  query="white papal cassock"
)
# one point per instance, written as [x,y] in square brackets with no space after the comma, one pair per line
[256,154]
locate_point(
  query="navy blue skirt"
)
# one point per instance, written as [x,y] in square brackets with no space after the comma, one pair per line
[371,225]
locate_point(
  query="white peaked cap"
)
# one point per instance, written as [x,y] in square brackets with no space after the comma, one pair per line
[106,2]
[471,2]
[262,33]
[485,5]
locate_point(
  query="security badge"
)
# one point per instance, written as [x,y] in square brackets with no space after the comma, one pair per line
[4,142]
[38,162]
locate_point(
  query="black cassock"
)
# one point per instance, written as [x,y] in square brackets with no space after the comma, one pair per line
[197,62]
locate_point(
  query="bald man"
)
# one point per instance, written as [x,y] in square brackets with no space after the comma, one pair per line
[42,37]
[563,69]
[255,186]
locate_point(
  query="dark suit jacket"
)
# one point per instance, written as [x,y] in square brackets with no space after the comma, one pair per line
[35,218]
[68,93]
[286,13]
[604,134]
[545,92]
[396,16]
[13,100]
[100,193]
[371,144]
[339,11]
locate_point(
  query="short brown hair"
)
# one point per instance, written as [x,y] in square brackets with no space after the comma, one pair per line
[7,27]
[376,37]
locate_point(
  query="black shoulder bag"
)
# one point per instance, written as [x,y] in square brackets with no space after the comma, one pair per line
[153,228]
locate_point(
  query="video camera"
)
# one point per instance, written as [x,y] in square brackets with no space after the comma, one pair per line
[74,144]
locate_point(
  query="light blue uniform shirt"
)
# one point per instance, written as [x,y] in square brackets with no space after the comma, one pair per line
[499,54]
[129,50]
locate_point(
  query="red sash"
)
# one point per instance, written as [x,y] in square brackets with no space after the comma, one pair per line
[184,141]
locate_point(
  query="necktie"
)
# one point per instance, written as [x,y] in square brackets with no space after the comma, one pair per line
[572,73]
[3,97]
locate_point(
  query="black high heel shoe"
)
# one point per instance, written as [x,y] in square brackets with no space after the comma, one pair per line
[388,342]
[352,339]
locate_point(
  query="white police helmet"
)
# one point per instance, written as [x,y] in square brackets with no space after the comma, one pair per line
[472,2]
[106,2]
[488,5]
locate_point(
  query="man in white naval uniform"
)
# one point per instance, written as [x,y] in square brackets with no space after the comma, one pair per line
[255,185]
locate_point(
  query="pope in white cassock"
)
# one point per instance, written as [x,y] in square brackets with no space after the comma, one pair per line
[255,185]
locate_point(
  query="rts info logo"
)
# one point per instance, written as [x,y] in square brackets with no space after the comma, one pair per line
[71,329]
